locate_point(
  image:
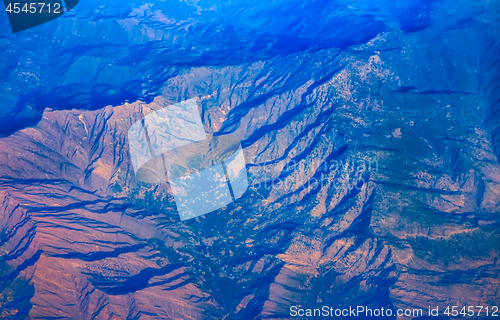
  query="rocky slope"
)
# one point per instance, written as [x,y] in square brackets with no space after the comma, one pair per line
[370,132]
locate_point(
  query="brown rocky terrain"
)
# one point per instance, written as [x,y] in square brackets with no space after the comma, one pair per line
[373,170]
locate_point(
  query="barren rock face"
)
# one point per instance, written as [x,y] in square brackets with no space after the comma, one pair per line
[370,134]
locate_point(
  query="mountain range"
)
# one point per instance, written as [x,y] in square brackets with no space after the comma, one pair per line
[371,134]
